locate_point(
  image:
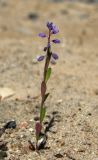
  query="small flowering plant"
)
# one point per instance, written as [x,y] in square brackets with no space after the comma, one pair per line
[49,57]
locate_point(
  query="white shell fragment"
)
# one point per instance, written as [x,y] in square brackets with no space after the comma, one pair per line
[6,92]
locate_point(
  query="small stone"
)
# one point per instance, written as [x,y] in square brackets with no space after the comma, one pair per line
[10,124]
[31,120]
[62,143]
[23,125]
[55,112]
[33,16]
[89,114]
[6,92]
[22,136]
[79,109]
[59,101]
[12,135]
[31,129]
[81,150]
[58,155]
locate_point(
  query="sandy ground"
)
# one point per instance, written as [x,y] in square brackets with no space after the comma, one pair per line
[73,84]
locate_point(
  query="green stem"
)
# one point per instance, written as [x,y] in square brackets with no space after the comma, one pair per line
[47,61]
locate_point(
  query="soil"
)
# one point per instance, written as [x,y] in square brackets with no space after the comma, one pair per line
[73,85]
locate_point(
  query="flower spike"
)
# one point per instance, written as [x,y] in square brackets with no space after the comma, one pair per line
[53,28]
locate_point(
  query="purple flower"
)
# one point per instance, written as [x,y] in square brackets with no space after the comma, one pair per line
[40,58]
[55,56]
[52,28]
[43,35]
[56,41]
[50,25]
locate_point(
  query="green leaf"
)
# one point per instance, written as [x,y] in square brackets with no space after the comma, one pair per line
[42,113]
[46,96]
[48,73]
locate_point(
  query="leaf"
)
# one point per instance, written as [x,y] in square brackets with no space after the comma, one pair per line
[48,73]
[46,96]
[38,128]
[43,89]
[42,113]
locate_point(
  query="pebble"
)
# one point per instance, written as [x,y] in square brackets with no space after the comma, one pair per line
[59,101]
[89,114]
[22,136]
[62,143]
[10,125]
[31,129]
[54,113]
[12,135]
[33,16]
[31,120]
[23,125]
[6,92]
[58,155]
